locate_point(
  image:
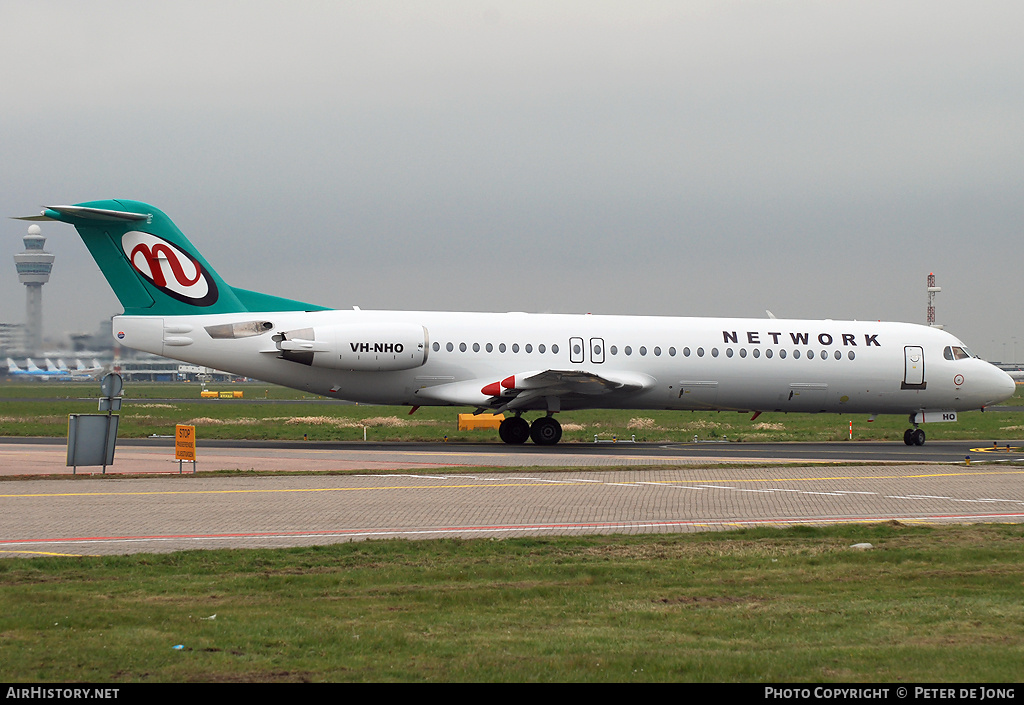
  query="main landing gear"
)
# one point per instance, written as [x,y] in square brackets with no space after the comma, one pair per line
[913,437]
[545,431]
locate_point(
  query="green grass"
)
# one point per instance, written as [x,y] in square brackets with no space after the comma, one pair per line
[41,409]
[765,605]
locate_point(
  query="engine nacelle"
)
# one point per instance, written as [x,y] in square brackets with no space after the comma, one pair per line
[375,347]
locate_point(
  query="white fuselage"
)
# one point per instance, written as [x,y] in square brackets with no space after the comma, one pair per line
[674,363]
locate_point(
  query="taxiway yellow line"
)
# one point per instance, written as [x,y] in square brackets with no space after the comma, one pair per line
[57,555]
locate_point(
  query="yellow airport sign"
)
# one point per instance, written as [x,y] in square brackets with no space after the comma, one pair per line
[185,443]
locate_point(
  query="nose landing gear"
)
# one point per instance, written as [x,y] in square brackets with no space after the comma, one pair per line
[913,437]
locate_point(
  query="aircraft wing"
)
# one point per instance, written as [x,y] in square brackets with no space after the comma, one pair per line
[536,389]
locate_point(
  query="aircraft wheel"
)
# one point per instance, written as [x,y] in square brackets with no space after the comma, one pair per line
[908,436]
[514,430]
[546,431]
[918,437]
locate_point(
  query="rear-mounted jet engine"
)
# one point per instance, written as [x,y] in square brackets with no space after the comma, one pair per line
[371,348]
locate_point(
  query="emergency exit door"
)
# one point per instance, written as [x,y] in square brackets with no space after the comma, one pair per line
[578,350]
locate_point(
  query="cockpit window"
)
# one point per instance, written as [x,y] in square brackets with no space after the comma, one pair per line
[954,352]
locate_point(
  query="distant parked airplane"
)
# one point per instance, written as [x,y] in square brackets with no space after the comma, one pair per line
[13,369]
[83,372]
[33,372]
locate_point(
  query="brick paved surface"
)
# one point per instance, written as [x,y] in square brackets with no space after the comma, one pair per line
[167,512]
[51,458]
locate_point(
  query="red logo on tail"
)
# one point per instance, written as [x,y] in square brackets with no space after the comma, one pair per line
[169,268]
[156,270]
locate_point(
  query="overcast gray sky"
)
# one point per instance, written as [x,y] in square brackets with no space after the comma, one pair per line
[818,159]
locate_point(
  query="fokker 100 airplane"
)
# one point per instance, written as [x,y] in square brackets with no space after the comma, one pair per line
[177,306]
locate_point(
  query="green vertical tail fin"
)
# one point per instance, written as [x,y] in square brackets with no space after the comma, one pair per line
[152,267]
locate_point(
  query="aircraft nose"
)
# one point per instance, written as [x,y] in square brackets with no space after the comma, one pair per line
[999,386]
[1007,386]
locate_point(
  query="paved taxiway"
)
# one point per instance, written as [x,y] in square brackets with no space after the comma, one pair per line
[47,456]
[166,512]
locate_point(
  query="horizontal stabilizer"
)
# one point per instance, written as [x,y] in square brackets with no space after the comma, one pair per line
[83,212]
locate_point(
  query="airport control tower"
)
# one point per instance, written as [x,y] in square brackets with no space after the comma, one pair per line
[34,267]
